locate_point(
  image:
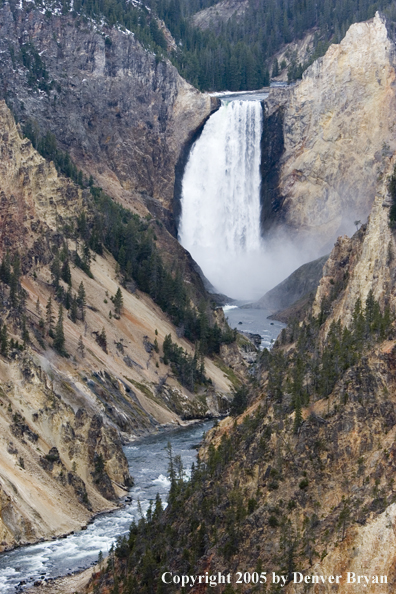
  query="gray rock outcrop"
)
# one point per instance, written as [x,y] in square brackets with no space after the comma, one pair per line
[122,114]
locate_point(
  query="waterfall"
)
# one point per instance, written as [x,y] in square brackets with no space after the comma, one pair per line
[220,202]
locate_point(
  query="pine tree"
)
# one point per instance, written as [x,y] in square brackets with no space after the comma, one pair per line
[56,271]
[118,302]
[86,255]
[16,265]
[74,310]
[81,347]
[102,340]
[49,317]
[65,272]
[4,340]
[59,335]
[298,415]
[81,300]
[5,269]
[42,326]
[25,333]
[14,290]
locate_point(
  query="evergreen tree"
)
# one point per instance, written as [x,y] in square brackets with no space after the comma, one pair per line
[68,298]
[4,340]
[275,69]
[49,317]
[41,325]
[16,265]
[56,272]
[59,335]
[118,302]
[14,290]
[5,269]
[101,339]
[239,401]
[65,272]
[81,300]
[74,309]
[298,415]
[25,333]
[81,347]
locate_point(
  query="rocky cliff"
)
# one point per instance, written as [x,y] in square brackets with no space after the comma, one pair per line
[302,283]
[337,134]
[214,16]
[122,114]
[363,263]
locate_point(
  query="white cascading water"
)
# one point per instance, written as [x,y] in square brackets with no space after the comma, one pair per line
[220,216]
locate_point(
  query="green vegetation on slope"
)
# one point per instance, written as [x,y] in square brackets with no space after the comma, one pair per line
[132,242]
[105,225]
[310,372]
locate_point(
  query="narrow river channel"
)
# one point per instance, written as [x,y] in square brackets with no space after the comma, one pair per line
[148,464]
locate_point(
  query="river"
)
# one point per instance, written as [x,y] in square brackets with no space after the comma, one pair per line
[254,321]
[148,464]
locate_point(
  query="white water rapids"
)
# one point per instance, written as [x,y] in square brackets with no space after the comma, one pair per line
[220,216]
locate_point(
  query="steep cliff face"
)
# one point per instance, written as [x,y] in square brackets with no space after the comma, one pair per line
[123,115]
[33,199]
[302,283]
[49,485]
[64,418]
[362,263]
[338,134]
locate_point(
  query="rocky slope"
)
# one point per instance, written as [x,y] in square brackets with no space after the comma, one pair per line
[366,259]
[64,415]
[123,115]
[220,13]
[331,135]
[300,284]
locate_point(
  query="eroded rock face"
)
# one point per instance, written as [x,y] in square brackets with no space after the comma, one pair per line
[49,479]
[33,199]
[338,133]
[214,16]
[362,263]
[120,113]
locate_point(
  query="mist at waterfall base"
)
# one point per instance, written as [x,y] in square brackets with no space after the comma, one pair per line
[220,206]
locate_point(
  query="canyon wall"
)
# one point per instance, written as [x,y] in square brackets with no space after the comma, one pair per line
[122,114]
[338,130]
